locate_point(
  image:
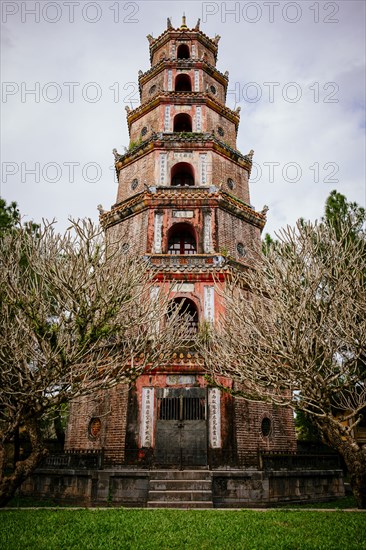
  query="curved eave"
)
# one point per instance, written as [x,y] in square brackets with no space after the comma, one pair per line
[186,98]
[174,34]
[176,140]
[183,63]
[168,197]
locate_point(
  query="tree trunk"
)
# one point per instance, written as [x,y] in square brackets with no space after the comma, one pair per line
[24,468]
[60,433]
[357,472]
[354,456]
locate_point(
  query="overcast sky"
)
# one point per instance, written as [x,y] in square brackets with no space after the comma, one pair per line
[297,69]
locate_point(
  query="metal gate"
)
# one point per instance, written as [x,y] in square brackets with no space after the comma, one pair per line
[181,427]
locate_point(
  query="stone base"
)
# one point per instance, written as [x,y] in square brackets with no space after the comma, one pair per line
[230,488]
[262,489]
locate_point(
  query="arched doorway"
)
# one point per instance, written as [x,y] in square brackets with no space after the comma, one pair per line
[183,52]
[182,123]
[183,83]
[182,175]
[181,427]
[189,310]
[182,240]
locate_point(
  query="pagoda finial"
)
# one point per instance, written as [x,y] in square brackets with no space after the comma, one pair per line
[183,25]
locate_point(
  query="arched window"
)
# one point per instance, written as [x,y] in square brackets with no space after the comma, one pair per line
[189,308]
[183,52]
[182,123]
[183,83]
[182,240]
[182,175]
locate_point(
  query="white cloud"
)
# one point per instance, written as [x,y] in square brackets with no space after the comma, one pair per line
[325,60]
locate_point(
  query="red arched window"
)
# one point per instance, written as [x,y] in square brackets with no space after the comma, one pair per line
[183,52]
[182,175]
[188,308]
[183,83]
[182,240]
[182,123]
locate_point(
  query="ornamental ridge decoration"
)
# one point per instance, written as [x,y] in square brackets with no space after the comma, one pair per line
[189,62]
[168,34]
[114,215]
[220,107]
[181,137]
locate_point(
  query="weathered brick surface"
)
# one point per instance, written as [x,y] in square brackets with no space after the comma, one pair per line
[232,230]
[224,169]
[82,410]
[115,436]
[145,194]
[202,77]
[132,234]
[155,121]
[111,408]
[169,48]
[248,420]
[219,169]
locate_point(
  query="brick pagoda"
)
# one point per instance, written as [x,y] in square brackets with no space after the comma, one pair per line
[183,202]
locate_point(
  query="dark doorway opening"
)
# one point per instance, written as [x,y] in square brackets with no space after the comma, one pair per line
[181,427]
[182,175]
[181,240]
[182,123]
[183,52]
[183,83]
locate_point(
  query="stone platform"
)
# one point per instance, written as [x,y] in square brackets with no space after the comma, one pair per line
[204,488]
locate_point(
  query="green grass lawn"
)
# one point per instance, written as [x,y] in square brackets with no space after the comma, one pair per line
[161,529]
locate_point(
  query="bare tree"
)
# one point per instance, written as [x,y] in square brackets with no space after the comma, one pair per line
[77,315]
[294,334]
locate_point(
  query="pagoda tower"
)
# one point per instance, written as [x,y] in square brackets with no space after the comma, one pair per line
[183,203]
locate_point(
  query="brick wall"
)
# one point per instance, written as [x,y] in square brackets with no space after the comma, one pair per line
[231,231]
[81,412]
[132,232]
[248,420]
[152,87]
[111,408]
[223,169]
[223,128]
[115,435]
[165,50]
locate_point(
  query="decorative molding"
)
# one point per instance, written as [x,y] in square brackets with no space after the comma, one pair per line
[203,169]
[214,418]
[196,81]
[147,417]
[167,118]
[198,118]
[170,80]
[183,213]
[207,233]
[209,303]
[158,228]
[163,168]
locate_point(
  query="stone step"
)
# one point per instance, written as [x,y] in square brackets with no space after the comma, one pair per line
[180,484]
[169,496]
[180,474]
[180,504]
